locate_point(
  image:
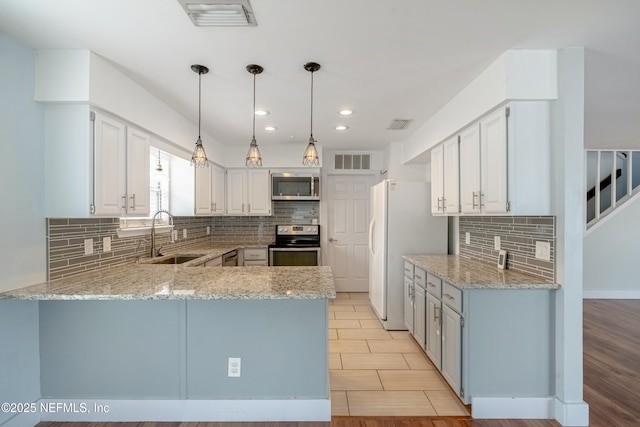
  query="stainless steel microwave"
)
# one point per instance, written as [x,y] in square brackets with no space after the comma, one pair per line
[288,186]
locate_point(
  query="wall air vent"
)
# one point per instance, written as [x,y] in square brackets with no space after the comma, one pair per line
[219,13]
[399,124]
[352,161]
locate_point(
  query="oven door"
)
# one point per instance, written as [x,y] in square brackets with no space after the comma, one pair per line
[294,256]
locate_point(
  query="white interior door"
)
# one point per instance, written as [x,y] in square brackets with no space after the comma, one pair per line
[348,231]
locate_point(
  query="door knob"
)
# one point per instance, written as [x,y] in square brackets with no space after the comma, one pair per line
[331,239]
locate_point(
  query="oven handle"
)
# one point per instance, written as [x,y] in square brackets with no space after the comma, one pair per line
[308,249]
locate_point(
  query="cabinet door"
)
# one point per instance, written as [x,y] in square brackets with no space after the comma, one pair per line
[419,315]
[236,187]
[433,340]
[470,169]
[493,152]
[218,186]
[451,169]
[258,192]
[408,304]
[203,203]
[138,198]
[437,180]
[452,348]
[110,162]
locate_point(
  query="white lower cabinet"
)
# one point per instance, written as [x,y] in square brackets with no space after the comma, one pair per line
[408,304]
[433,341]
[419,315]
[255,257]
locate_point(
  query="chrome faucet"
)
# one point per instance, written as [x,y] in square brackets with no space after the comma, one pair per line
[154,253]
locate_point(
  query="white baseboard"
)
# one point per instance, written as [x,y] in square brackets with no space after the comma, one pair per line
[601,294]
[572,414]
[512,407]
[186,410]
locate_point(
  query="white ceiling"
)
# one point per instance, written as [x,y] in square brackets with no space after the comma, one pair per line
[386,59]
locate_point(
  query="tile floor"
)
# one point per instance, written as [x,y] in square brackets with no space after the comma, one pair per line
[380,373]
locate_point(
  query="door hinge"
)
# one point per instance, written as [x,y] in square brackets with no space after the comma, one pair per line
[508,206]
[92,209]
[462,322]
[507,111]
[461,392]
[92,116]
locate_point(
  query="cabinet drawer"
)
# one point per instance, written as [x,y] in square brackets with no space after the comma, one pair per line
[254,254]
[434,285]
[419,277]
[408,269]
[260,263]
[452,296]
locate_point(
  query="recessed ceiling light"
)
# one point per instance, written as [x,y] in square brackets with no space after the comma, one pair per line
[346,112]
[270,128]
[342,127]
[262,113]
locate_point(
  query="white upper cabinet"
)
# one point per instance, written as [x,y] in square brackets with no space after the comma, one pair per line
[470,169]
[210,190]
[248,192]
[504,164]
[451,176]
[437,180]
[121,175]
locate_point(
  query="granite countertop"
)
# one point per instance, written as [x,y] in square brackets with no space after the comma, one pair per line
[471,274]
[191,280]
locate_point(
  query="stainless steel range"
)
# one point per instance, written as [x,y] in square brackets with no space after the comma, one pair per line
[296,245]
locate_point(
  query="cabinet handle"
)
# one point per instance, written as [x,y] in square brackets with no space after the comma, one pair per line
[449,297]
[407,270]
[436,314]
[480,196]
[431,284]
[439,200]
[416,276]
[249,208]
[124,202]
[243,208]
[215,206]
[475,197]
[133,202]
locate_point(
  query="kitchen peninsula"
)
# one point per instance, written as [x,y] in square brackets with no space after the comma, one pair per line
[153,342]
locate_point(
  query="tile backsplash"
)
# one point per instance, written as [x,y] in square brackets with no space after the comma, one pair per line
[66,236]
[518,236]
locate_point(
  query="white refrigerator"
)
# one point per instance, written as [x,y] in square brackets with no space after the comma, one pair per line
[401,223]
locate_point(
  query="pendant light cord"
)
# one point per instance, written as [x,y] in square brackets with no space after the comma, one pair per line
[254,106]
[311,105]
[199,100]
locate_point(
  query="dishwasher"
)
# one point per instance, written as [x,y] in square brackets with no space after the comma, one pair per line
[230,259]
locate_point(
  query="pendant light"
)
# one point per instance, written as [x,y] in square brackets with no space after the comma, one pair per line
[253,155]
[311,157]
[199,157]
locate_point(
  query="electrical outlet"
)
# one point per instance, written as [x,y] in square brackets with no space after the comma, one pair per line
[234,366]
[496,243]
[467,238]
[184,233]
[543,251]
[88,246]
[208,230]
[106,244]
[174,236]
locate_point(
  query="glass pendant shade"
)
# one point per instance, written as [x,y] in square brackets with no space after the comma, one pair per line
[253,155]
[310,157]
[199,157]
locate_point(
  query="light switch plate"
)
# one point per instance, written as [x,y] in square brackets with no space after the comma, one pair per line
[106,244]
[543,251]
[208,230]
[467,238]
[88,246]
[496,243]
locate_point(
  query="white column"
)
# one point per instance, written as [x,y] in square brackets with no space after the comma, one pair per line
[568,155]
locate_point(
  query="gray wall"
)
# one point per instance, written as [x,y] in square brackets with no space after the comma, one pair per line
[22,257]
[179,349]
[19,353]
[611,252]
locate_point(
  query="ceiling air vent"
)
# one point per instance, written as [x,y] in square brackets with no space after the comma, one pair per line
[399,124]
[219,13]
[352,161]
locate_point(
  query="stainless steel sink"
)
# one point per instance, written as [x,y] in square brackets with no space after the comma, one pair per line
[177,259]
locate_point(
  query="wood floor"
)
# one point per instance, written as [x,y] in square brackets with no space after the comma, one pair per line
[611,381]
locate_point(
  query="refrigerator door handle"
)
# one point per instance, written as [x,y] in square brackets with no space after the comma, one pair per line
[371,224]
